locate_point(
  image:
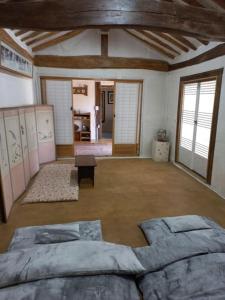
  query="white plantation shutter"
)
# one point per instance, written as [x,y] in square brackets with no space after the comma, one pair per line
[188,116]
[196,125]
[204,117]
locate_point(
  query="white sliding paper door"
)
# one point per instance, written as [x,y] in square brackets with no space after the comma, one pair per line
[126,118]
[59,94]
[196,125]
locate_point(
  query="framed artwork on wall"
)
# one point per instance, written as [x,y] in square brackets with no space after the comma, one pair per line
[12,60]
[82,90]
[110,97]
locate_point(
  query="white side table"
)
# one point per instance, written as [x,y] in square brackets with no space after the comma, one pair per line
[160,151]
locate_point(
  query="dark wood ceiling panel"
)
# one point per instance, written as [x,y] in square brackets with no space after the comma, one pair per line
[162,16]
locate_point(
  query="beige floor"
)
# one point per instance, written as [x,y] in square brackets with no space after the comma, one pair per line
[126,192]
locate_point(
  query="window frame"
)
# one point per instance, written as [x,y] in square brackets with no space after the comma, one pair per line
[196,78]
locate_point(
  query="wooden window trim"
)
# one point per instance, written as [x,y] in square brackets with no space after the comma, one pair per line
[201,77]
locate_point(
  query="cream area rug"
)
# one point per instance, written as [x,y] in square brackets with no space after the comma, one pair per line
[54,182]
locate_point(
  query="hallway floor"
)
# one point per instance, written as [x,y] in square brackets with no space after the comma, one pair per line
[101,148]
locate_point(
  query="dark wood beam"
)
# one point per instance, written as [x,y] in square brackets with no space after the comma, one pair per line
[185,41]
[203,41]
[211,4]
[192,2]
[57,40]
[104,44]
[41,38]
[6,38]
[150,44]
[173,41]
[158,41]
[163,16]
[30,36]
[20,32]
[208,55]
[99,62]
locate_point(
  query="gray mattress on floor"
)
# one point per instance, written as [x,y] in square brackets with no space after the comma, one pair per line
[189,264]
[156,230]
[68,286]
[24,237]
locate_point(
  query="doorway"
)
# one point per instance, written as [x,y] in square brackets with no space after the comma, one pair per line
[98,117]
[197,122]
[92,110]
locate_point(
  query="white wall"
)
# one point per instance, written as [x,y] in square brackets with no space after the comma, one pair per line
[171,103]
[15,91]
[86,104]
[153,95]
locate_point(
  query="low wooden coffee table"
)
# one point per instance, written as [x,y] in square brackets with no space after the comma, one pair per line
[86,167]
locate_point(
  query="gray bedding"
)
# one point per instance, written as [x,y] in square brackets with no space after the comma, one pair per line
[100,287]
[26,237]
[54,271]
[157,229]
[188,266]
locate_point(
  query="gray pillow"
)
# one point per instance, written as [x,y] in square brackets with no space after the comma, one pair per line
[48,236]
[185,223]
[67,259]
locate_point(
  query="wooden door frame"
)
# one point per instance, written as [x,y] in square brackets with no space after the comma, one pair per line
[63,78]
[139,112]
[201,77]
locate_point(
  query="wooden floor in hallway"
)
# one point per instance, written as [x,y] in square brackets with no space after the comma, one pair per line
[101,148]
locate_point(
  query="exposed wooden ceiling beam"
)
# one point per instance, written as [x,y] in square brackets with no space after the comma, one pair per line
[96,62]
[57,40]
[218,51]
[104,44]
[5,37]
[152,15]
[40,38]
[211,4]
[192,3]
[30,36]
[20,32]
[203,42]
[173,41]
[158,41]
[184,41]
[150,44]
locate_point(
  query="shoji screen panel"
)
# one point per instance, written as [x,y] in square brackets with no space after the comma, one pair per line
[45,132]
[5,170]
[31,131]
[24,142]
[14,145]
[59,94]
[127,118]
